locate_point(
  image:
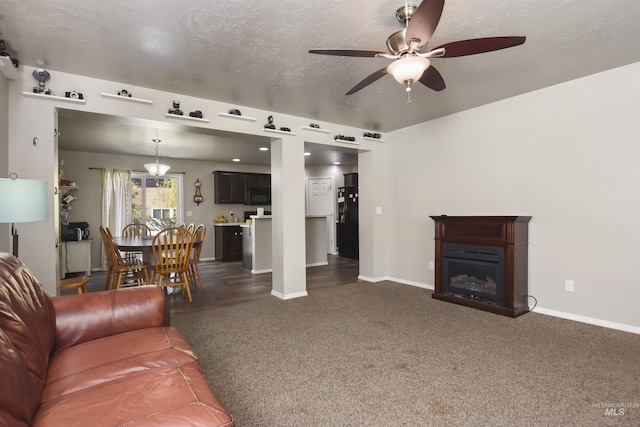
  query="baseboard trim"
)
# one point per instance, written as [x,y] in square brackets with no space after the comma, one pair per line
[318,264]
[289,296]
[590,320]
[401,281]
[583,319]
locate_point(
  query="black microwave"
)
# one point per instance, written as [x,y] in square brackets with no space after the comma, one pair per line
[260,196]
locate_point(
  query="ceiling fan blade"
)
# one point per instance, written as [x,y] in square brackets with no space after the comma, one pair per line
[432,79]
[368,80]
[482,45]
[348,52]
[424,21]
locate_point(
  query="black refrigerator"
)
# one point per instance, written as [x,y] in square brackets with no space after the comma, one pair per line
[348,222]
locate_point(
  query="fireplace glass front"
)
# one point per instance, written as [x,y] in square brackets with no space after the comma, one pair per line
[474,272]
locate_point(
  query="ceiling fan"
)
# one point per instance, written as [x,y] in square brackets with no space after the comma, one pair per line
[405,47]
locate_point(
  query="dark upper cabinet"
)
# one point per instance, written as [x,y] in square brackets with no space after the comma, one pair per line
[230,187]
[351,179]
[242,188]
[258,189]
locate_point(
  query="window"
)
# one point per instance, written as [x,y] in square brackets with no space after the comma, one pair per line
[156,201]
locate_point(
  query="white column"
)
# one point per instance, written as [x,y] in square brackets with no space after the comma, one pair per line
[288,219]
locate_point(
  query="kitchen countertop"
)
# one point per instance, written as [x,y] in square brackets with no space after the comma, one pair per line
[227,224]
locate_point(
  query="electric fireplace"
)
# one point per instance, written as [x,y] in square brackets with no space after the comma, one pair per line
[473,272]
[482,262]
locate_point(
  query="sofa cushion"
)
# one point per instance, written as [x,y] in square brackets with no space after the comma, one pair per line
[26,316]
[106,359]
[165,396]
[19,396]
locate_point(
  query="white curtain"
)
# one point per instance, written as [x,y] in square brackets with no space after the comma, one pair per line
[116,202]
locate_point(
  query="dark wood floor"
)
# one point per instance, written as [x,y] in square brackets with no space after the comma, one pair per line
[228,283]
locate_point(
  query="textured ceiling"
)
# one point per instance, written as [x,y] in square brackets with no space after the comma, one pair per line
[255,52]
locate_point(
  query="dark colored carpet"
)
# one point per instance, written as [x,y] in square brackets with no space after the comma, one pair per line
[384,354]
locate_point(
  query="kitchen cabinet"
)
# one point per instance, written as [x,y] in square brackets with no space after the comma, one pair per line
[230,187]
[228,242]
[258,189]
[242,188]
[351,179]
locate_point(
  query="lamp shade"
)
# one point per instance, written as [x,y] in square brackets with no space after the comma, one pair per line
[23,200]
[156,169]
[408,68]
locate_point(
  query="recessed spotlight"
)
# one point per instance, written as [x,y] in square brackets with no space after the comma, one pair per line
[336,163]
[236,160]
[307,154]
[264,149]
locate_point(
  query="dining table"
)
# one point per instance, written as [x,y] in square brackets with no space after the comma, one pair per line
[141,244]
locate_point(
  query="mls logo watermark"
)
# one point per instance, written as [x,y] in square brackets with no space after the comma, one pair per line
[616,409]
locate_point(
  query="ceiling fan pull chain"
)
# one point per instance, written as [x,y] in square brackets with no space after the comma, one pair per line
[408,89]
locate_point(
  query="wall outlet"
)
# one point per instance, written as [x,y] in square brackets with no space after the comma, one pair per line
[568,285]
[189,213]
[431,265]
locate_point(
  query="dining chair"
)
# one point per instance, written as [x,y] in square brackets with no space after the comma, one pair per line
[194,274]
[135,229]
[191,227]
[106,244]
[171,254]
[125,271]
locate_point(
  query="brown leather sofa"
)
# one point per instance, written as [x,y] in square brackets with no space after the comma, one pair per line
[97,359]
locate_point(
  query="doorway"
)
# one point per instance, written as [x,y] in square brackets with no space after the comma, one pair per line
[320,201]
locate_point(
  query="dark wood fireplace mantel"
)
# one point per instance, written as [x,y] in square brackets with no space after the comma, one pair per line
[508,232]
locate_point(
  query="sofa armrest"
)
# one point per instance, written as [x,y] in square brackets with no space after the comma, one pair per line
[85,317]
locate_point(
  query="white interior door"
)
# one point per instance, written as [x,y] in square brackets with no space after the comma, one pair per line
[320,201]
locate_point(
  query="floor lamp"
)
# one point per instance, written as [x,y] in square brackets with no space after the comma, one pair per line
[22,200]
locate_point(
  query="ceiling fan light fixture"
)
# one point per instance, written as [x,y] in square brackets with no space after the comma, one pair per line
[157,168]
[408,69]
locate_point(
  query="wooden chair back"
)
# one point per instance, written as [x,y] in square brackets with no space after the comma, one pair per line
[194,274]
[172,249]
[171,255]
[107,238]
[198,235]
[136,229]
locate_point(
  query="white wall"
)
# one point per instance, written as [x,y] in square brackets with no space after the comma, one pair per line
[5,232]
[567,155]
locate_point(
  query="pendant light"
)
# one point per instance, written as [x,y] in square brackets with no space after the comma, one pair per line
[156,169]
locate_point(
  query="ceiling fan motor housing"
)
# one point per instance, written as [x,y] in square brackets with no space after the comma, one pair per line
[396,42]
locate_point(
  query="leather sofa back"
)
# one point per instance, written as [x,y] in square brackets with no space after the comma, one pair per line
[27,323]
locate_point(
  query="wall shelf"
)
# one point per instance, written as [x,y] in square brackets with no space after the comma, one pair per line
[314,129]
[347,142]
[127,98]
[368,138]
[278,131]
[57,98]
[195,119]
[233,116]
